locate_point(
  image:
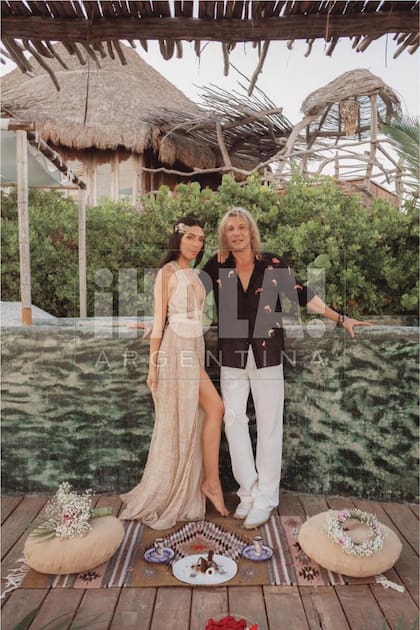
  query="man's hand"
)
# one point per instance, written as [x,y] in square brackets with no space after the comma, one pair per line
[350,323]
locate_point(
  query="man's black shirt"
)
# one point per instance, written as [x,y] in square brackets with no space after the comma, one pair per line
[255,316]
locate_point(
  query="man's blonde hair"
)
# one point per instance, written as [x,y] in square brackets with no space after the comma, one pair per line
[243,213]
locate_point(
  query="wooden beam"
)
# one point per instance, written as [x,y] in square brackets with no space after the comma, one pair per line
[9,124]
[289,27]
[373,132]
[23,220]
[82,254]
[115,177]
[36,141]
[138,178]
[91,181]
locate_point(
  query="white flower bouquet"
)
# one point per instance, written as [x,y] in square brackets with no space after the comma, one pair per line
[68,514]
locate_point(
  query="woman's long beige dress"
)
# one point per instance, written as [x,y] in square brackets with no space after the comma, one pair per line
[170,489]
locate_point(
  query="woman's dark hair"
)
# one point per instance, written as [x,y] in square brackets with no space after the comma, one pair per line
[175,240]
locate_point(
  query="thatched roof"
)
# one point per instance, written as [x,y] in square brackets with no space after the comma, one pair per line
[354,88]
[97,28]
[101,108]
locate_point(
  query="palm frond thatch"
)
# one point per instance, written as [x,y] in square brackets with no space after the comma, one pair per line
[101,108]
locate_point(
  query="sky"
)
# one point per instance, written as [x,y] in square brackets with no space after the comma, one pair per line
[288,76]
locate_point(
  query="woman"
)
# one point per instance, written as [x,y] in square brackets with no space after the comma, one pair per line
[188,409]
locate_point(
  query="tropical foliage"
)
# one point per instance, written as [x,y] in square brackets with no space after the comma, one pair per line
[368,254]
[406,135]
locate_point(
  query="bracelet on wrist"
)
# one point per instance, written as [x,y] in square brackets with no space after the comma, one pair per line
[340,320]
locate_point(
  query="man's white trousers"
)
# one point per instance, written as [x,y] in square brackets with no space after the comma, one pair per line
[259,479]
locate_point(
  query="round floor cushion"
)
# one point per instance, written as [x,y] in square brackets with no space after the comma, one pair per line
[73,555]
[318,546]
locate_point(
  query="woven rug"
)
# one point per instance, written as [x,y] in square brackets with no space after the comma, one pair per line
[288,566]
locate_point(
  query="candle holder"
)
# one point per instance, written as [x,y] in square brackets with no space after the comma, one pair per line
[258,545]
[159,554]
[158,545]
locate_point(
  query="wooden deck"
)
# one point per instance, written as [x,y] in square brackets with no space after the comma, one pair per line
[355,607]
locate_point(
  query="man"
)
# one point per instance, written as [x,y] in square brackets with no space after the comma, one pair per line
[249,287]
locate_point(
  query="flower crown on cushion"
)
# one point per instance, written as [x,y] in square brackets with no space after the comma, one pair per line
[335,530]
[181,227]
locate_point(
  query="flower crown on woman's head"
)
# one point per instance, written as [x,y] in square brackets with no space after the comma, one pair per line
[181,227]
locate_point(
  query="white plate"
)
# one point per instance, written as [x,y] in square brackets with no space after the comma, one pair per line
[183,571]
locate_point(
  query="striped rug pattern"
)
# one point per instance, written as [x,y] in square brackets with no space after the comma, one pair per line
[127,567]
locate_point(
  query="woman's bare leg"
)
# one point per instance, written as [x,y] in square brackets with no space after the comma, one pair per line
[212,406]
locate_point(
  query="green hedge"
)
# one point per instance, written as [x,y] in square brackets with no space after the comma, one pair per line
[369,254]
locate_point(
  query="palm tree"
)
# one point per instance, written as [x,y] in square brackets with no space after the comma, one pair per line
[405,134]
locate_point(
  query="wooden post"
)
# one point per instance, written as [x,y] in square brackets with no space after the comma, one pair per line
[399,189]
[115,177]
[336,166]
[138,178]
[23,218]
[91,181]
[373,130]
[82,253]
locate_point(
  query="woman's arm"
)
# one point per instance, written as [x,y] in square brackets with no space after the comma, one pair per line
[161,293]
[316,305]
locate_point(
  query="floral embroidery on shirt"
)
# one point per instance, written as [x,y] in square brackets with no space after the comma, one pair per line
[259,290]
[274,281]
[267,308]
[275,260]
[231,273]
[271,332]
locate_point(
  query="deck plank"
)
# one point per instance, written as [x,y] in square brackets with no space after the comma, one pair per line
[415,508]
[284,608]
[19,604]
[274,607]
[290,505]
[207,603]
[23,515]
[8,504]
[313,504]
[248,603]
[323,608]
[398,608]
[60,603]
[361,608]
[407,565]
[134,608]
[406,522]
[96,608]
[340,503]
[172,608]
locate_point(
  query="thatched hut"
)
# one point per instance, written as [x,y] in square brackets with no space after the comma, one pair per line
[341,127]
[97,122]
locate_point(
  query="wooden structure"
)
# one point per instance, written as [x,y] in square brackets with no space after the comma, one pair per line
[341,122]
[98,122]
[353,607]
[25,132]
[95,29]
